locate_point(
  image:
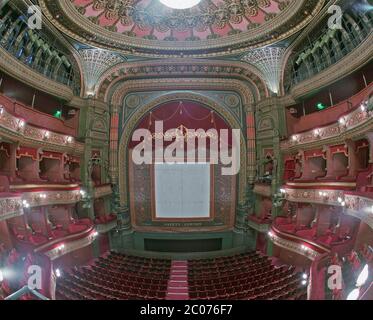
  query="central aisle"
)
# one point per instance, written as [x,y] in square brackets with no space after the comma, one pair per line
[178,283]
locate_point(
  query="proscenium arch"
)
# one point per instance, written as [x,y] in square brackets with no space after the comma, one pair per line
[143,110]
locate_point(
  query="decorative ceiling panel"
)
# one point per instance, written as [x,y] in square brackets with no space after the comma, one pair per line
[213,27]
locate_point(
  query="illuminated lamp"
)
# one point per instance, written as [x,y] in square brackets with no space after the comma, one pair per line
[363,276]
[354,294]
[58,273]
[1,276]
[180,4]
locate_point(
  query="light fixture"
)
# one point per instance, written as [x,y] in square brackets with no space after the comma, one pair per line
[42,196]
[21,123]
[69,139]
[58,273]
[316,132]
[61,247]
[282,190]
[354,294]
[339,199]
[304,282]
[342,121]
[363,276]
[270,234]
[95,234]
[46,134]
[1,276]
[305,276]
[294,138]
[25,204]
[343,203]
[180,4]
[1,109]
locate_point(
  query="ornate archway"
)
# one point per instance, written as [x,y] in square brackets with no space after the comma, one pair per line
[131,123]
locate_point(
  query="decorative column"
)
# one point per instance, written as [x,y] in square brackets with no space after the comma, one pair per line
[114,141]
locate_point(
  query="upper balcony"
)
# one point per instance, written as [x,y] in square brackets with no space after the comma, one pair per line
[38,50]
[326,46]
[39,119]
[333,123]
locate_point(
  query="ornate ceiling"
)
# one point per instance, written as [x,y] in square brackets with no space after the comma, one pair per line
[149,28]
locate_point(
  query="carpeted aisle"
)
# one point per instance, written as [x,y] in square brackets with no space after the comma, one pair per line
[178,283]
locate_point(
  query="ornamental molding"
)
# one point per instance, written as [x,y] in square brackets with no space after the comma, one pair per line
[102,191]
[125,88]
[294,247]
[269,61]
[16,130]
[69,246]
[94,63]
[46,198]
[10,207]
[18,70]
[184,68]
[70,21]
[328,197]
[360,207]
[122,169]
[348,64]
[355,124]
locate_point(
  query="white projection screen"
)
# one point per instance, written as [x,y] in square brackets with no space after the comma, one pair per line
[182,190]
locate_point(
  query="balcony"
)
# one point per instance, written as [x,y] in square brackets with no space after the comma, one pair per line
[39,119]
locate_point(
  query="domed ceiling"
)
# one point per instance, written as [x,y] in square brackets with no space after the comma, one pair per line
[152,28]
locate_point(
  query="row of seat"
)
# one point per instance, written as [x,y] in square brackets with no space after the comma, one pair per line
[251,276]
[117,277]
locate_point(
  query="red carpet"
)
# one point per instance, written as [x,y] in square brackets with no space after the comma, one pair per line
[178,283]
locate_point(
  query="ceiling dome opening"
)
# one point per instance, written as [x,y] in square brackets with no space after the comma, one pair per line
[180,4]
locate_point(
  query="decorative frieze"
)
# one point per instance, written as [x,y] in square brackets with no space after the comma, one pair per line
[10,207]
[293,246]
[70,246]
[321,196]
[45,198]
[360,207]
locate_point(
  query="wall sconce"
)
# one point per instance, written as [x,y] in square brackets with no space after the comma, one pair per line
[342,121]
[324,194]
[304,248]
[341,201]
[46,135]
[21,124]
[69,139]
[42,196]
[270,234]
[294,138]
[61,247]
[363,106]
[316,133]
[278,198]
[26,205]
[1,109]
